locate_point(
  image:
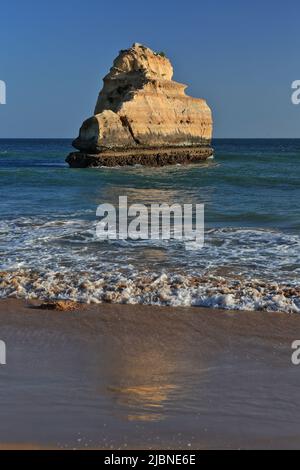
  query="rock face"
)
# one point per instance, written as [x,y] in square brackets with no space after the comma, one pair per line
[143,116]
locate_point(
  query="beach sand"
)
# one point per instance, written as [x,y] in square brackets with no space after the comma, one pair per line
[138,377]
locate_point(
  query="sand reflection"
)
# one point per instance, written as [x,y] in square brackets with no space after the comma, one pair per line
[146,385]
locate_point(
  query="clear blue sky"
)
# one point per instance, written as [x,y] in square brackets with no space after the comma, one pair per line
[241,56]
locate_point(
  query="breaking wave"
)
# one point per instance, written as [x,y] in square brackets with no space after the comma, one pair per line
[152,289]
[238,268]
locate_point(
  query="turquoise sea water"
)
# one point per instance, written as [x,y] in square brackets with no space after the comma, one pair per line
[251,257]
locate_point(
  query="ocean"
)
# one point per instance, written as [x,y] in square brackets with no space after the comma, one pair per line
[250,259]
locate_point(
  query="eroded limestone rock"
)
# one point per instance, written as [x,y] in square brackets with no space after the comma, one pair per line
[141,108]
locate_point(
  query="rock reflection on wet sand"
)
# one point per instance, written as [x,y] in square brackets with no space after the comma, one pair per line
[144,382]
[149,398]
[131,377]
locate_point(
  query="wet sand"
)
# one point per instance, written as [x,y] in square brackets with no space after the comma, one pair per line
[131,377]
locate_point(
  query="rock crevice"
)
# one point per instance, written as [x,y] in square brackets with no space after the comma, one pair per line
[127,125]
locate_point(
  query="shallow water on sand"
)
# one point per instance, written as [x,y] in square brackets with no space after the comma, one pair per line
[251,258]
[148,377]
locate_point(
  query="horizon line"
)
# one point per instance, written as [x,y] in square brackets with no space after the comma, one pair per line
[214,138]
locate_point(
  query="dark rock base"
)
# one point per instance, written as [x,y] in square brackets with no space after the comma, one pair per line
[146,157]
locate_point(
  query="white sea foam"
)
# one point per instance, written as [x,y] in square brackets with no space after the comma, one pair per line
[246,269]
[151,289]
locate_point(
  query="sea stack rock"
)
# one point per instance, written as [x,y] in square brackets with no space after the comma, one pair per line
[143,117]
